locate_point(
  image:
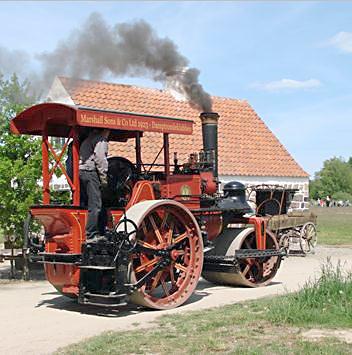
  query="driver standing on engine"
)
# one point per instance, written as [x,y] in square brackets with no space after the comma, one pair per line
[93,169]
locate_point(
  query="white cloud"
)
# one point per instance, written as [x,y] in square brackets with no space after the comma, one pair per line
[287,84]
[342,41]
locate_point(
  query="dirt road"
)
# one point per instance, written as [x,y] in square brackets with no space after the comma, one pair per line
[35,319]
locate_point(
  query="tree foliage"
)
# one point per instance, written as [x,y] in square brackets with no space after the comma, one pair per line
[20,160]
[334,179]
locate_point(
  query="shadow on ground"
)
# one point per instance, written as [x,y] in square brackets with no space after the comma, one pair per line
[63,303]
[8,273]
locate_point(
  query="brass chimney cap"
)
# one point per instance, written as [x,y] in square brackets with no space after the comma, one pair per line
[209,117]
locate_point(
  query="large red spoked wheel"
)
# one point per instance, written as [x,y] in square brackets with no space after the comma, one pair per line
[161,225]
[253,272]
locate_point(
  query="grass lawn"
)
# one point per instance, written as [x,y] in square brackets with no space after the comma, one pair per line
[334,225]
[267,326]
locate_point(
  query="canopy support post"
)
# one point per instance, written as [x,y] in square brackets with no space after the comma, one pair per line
[166,154]
[75,160]
[138,152]
[45,168]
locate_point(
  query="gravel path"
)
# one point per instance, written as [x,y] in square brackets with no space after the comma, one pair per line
[35,319]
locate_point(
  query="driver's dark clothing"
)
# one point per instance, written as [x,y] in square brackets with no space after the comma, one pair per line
[93,155]
[91,198]
[93,167]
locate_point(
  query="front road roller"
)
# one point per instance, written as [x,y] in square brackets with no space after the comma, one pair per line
[236,261]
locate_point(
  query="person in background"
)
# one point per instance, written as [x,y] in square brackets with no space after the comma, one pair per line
[328,200]
[93,168]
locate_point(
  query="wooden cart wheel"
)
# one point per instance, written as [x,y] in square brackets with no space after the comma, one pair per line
[253,272]
[162,224]
[284,242]
[308,238]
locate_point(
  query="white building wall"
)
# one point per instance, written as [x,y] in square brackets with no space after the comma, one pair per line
[300,200]
[60,184]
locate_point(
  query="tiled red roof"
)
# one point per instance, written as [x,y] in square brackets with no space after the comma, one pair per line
[246,145]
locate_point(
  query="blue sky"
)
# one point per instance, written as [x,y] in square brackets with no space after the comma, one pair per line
[290,60]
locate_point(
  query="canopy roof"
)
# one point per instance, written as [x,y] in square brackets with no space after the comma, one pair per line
[57,120]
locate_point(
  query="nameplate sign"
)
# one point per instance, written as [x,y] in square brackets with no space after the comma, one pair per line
[130,122]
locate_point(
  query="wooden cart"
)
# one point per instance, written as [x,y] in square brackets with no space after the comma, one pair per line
[295,231]
[295,228]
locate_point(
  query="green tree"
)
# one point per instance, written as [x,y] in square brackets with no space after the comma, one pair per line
[20,160]
[335,177]
[316,189]
[349,161]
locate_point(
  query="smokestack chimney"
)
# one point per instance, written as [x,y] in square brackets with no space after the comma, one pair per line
[210,136]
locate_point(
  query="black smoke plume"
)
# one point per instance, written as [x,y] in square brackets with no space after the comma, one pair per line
[132,49]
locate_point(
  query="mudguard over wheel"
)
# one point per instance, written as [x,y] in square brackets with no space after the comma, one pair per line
[165,224]
[253,272]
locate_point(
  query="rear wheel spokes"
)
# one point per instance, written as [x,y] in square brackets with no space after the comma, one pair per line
[180,267]
[156,229]
[170,233]
[164,222]
[146,265]
[166,273]
[159,230]
[144,228]
[146,244]
[156,279]
[181,237]
[162,228]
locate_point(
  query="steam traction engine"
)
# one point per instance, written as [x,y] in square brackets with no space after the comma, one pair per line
[168,224]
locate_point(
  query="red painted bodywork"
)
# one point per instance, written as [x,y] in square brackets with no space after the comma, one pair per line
[142,191]
[182,188]
[209,183]
[65,226]
[64,233]
[260,226]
